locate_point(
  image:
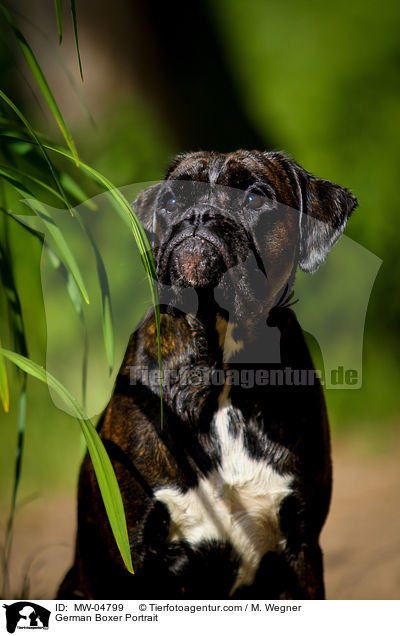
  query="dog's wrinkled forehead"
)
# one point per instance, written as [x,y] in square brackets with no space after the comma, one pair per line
[322,207]
[239,170]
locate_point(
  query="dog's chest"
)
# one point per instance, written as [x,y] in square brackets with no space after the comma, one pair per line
[237,503]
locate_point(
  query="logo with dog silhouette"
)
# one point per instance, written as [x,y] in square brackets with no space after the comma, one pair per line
[26,615]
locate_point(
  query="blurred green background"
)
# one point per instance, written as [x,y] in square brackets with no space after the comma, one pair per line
[320,80]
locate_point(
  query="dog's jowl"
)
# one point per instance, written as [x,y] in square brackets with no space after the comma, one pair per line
[226,497]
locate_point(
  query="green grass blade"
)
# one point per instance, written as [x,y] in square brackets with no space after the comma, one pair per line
[76,300]
[13,302]
[108,331]
[125,211]
[59,59]
[66,181]
[59,14]
[36,141]
[13,175]
[120,204]
[70,185]
[20,447]
[17,330]
[72,288]
[4,390]
[75,23]
[109,489]
[17,479]
[103,468]
[34,233]
[107,317]
[42,83]
[62,246]
[85,361]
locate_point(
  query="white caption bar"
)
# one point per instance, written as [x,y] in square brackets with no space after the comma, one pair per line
[156,617]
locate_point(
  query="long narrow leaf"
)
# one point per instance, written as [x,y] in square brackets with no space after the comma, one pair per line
[76,300]
[13,175]
[103,468]
[52,228]
[108,331]
[107,318]
[59,59]
[70,185]
[124,209]
[62,246]
[36,141]
[17,479]
[4,390]
[42,82]
[72,288]
[18,333]
[19,454]
[70,285]
[59,14]
[73,293]
[75,23]
[29,229]
[121,205]
[13,302]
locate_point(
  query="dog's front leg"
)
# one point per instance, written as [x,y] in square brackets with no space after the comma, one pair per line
[306,574]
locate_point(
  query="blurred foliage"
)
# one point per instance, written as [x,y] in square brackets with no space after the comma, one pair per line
[325,78]
[322,81]
[25,151]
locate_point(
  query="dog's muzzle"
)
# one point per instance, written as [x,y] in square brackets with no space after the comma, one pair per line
[195,257]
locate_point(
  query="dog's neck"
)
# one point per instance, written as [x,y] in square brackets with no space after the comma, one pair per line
[248,340]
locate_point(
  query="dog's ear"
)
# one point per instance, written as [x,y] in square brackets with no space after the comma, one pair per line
[325,208]
[144,206]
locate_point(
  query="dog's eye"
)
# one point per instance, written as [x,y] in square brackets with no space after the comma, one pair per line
[171,204]
[254,201]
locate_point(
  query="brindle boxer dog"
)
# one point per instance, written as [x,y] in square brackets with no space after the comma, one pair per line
[228,497]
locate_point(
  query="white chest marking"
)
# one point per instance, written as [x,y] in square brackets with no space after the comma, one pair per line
[237,503]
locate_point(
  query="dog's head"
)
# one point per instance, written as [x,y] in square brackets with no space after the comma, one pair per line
[240,224]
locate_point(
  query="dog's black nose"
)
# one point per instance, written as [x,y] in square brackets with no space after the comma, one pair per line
[198,216]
